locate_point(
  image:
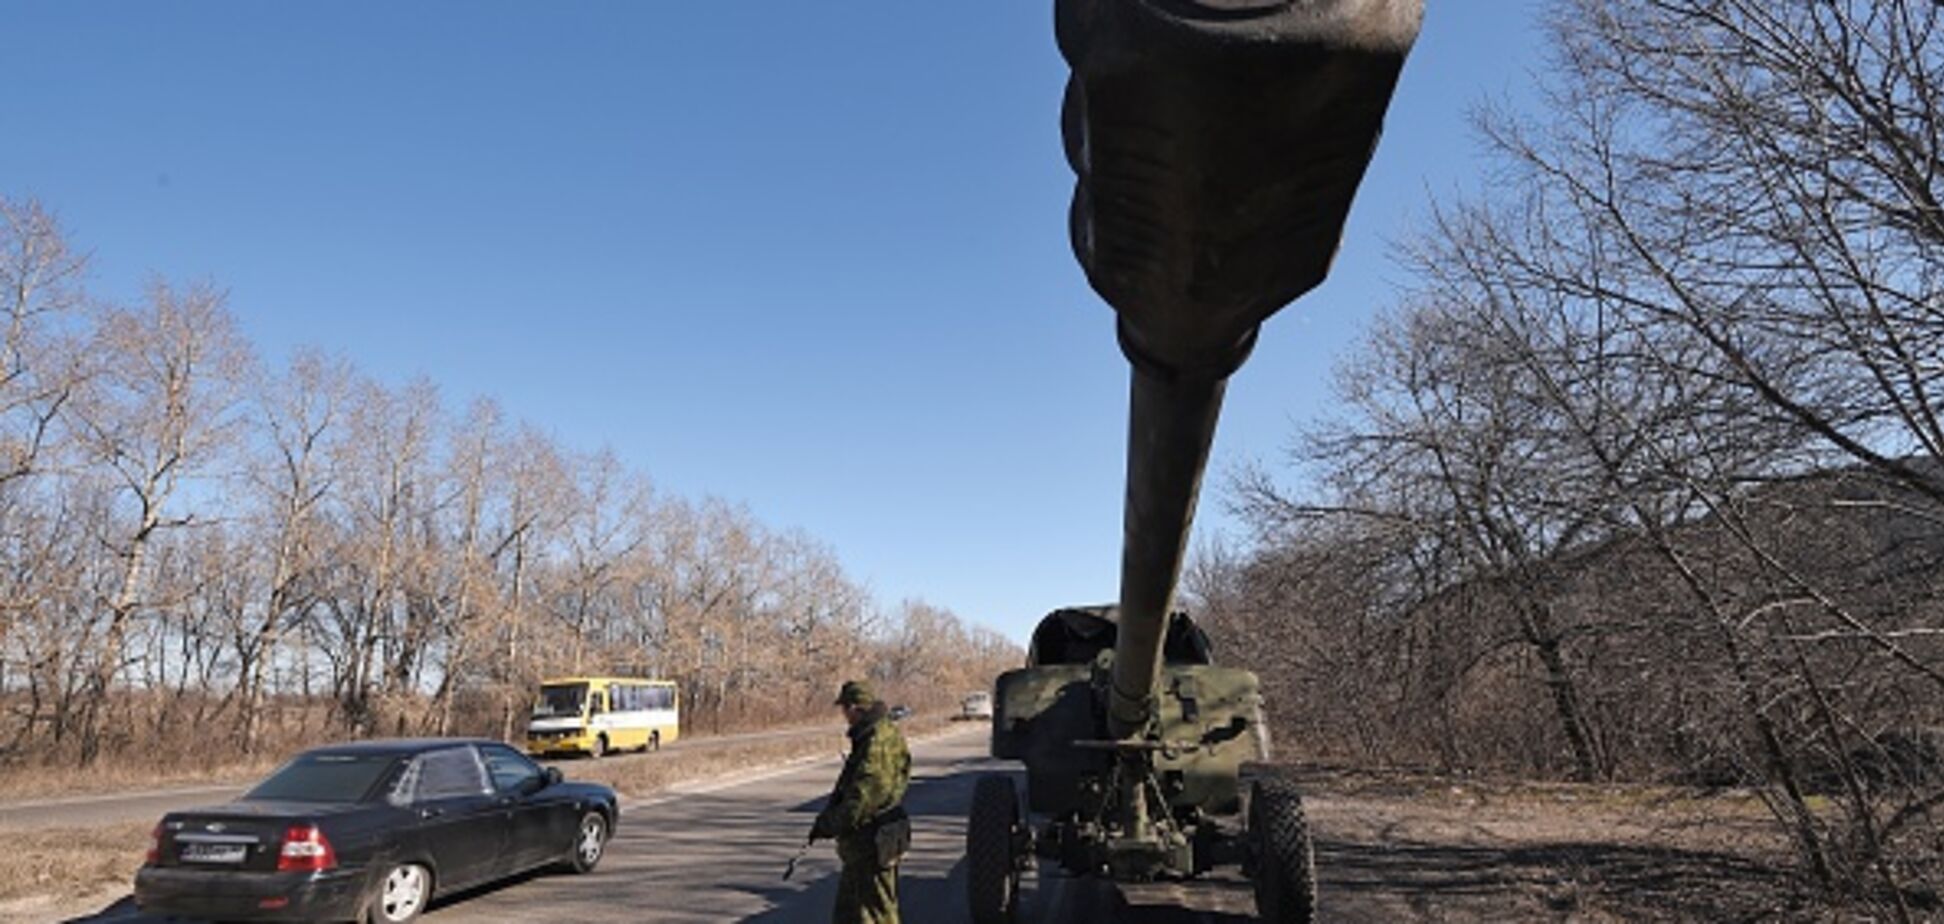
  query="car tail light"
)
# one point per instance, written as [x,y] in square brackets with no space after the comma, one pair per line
[154,857]
[305,848]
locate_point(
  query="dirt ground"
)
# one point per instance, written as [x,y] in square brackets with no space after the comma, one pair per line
[1407,847]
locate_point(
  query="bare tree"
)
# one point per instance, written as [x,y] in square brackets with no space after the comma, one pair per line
[1672,388]
[1763,176]
[297,415]
[602,536]
[156,412]
[535,509]
[40,276]
[1761,181]
[187,539]
[383,461]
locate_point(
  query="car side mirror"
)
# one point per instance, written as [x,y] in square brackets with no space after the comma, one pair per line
[550,777]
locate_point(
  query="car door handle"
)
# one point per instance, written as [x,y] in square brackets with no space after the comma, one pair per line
[431,812]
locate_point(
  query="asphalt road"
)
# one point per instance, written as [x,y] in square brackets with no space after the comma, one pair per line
[150,804]
[716,852]
[86,811]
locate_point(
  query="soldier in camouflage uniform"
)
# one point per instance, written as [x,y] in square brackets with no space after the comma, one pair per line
[865,813]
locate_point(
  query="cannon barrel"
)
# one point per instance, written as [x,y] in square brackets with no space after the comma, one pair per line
[1217,145]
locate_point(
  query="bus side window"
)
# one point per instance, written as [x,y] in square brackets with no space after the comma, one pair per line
[596,704]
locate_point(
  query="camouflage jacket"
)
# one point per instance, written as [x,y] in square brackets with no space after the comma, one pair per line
[873,780]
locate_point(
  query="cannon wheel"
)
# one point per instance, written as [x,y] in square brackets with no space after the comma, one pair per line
[992,878]
[1285,860]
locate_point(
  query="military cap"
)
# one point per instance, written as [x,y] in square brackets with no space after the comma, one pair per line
[856,693]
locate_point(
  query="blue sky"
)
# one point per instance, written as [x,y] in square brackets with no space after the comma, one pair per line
[809,257]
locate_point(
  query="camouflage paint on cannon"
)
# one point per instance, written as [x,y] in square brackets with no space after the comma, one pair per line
[1217,145]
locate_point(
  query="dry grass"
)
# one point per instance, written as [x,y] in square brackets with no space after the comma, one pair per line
[1393,844]
[1495,793]
[71,860]
[25,783]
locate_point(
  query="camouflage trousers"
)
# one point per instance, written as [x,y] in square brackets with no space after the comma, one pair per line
[866,893]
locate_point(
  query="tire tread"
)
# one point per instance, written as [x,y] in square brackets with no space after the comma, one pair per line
[992,880]
[1285,874]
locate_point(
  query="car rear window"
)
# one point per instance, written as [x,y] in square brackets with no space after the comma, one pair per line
[325,778]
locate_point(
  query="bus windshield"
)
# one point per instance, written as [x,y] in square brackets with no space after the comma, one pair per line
[560,700]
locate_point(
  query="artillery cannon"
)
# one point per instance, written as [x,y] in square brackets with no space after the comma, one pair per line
[1217,145]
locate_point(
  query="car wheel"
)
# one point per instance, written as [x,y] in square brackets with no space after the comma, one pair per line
[600,747]
[401,895]
[590,843]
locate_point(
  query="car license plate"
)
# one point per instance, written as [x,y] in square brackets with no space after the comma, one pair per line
[213,853]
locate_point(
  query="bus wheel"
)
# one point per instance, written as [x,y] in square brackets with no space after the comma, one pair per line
[654,741]
[600,747]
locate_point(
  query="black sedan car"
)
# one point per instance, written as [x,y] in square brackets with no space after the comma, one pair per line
[371,831]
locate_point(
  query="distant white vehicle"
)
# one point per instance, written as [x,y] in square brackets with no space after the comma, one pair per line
[976,706]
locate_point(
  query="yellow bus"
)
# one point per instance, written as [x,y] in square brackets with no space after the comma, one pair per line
[600,715]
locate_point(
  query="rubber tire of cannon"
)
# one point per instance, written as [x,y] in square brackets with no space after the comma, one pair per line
[1285,867]
[992,878]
